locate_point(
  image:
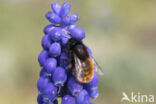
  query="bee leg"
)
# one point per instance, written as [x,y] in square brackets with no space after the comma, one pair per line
[69,67]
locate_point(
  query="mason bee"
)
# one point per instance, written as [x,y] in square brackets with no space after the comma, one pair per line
[84,65]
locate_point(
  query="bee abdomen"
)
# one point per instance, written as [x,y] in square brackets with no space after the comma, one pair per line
[88,71]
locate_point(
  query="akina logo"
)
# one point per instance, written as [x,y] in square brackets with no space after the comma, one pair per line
[137,98]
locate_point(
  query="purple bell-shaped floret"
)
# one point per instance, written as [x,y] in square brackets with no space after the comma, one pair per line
[67,99]
[50,65]
[74,87]
[59,76]
[43,56]
[55,49]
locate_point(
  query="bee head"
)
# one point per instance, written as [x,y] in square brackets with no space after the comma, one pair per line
[72,42]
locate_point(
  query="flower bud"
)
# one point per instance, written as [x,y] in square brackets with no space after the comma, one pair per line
[46,42]
[50,92]
[43,56]
[74,18]
[93,93]
[73,86]
[77,33]
[40,99]
[82,98]
[65,10]
[67,99]
[50,65]
[55,49]
[65,39]
[66,20]
[43,100]
[53,18]
[60,76]
[42,83]
[56,34]
[71,27]
[56,7]
[43,73]
[48,28]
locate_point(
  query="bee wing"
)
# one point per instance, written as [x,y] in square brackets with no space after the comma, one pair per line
[79,72]
[97,68]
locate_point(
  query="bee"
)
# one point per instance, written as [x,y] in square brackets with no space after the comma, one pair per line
[82,62]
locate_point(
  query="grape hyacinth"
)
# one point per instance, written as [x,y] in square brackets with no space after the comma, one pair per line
[55,81]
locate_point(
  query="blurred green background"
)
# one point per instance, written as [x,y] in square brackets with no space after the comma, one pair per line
[121,34]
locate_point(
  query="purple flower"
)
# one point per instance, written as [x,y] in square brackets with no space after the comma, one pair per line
[93,93]
[83,98]
[43,56]
[57,33]
[71,27]
[66,20]
[44,73]
[59,76]
[55,49]
[68,99]
[65,10]
[53,18]
[74,18]
[50,65]
[92,86]
[46,42]
[56,7]
[42,83]
[40,99]
[56,79]
[74,87]
[48,28]
[65,39]
[77,33]
[50,92]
